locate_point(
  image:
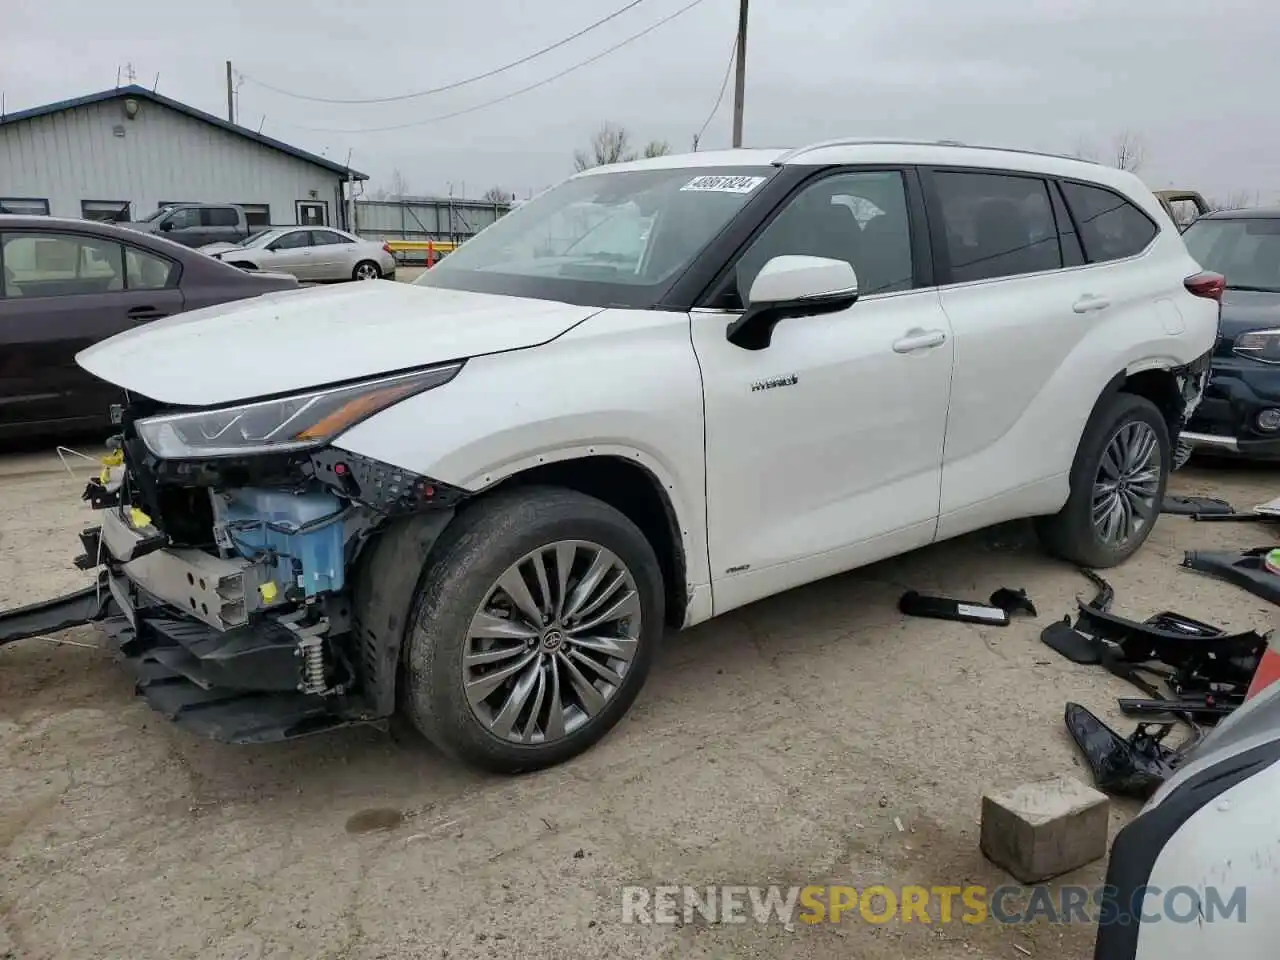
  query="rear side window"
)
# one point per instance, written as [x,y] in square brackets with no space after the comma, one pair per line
[220,217]
[1110,227]
[996,225]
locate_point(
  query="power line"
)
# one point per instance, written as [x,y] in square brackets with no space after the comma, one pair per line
[724,85]
[457,83]
[513,94]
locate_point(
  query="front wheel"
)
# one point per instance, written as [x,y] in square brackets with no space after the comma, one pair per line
[366,270]
[535,625]
[1117,485]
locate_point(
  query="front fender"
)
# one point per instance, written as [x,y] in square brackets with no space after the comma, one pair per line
[623,383]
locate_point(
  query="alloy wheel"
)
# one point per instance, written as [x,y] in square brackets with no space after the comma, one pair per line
[366,271]
[552,642]
[1128,480]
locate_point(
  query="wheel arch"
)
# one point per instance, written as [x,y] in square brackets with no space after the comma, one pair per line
[390,568]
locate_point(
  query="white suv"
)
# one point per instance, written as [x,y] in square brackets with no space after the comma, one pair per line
[654,393]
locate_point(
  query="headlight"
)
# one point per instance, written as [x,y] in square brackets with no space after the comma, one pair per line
[290,423]
[1261,345]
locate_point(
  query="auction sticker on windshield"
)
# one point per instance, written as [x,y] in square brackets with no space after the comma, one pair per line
[724,184]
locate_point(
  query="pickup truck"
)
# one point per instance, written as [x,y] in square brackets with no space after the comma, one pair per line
[1183,206]
[196,224]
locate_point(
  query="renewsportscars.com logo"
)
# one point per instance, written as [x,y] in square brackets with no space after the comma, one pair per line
[971,904]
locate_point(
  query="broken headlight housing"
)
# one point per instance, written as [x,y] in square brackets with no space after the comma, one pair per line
[295,422]
[1261,345]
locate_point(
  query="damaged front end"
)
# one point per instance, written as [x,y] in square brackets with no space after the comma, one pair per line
[231,545]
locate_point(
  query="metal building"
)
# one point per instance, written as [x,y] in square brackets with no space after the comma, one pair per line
[119,154]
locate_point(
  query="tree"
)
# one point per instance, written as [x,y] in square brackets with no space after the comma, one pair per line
[1127,151]
[399,185]
[611,144]
[657,148]
[1236,200]
[497,195]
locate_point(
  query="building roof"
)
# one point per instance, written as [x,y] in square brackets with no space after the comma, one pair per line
[142,93]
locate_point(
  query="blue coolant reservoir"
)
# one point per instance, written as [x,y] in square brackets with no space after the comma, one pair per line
[252,523]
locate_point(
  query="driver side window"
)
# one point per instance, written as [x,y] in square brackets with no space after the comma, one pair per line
[292,241]
[184,219]
[860,218]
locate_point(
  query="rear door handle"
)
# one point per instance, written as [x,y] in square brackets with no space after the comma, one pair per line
[917,339]
[145,313]
[1090,303]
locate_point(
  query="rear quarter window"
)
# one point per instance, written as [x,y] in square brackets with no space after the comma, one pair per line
[1109,226]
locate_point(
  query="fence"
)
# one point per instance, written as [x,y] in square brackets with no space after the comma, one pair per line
[440,219]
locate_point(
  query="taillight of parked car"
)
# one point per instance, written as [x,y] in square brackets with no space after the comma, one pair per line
[386,248]
[1208,285]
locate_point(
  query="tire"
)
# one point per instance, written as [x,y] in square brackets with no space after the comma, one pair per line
[480,547]
[1071,533]
[366,270]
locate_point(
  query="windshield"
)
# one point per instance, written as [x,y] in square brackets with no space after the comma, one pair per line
[605,239]
[1246,251]
[260,238]
[155,214]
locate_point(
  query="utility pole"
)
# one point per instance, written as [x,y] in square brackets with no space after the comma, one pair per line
[740,81]
[231,96]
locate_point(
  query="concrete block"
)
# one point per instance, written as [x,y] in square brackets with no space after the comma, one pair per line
[1044,829]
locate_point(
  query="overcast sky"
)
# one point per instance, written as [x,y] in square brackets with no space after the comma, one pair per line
[1197,80]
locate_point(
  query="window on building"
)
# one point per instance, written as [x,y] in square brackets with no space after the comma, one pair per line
[106,211]
[997,225]
[219,217]
[860,218]
[146,271]
[24,206]
[1110,226]
[257,215]
[60,265]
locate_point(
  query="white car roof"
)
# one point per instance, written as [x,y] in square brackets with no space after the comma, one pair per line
[868,150]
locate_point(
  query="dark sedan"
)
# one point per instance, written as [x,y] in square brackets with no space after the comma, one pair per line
[71,283]
[1240,411]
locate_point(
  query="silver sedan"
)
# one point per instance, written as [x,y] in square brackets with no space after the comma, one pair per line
[315,254]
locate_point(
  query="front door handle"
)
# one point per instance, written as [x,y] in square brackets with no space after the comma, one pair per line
[1090,304]
[917,339]
[145,313]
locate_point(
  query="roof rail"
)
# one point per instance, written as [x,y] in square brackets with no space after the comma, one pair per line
[871,141]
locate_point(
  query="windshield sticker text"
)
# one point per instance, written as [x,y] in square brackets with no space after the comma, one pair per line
[724,184]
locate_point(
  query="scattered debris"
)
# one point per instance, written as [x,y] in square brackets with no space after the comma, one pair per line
[1205,670]
[884,802]
[1247,569]
[996,612]
[897,822]
[1196,506]
[1021,949]
[1131,768]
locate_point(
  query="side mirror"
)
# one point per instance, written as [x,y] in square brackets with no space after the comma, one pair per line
[166,225]
[792,286]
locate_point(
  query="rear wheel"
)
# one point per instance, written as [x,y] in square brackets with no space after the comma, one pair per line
[536,623]
[366,270]
[1117,485]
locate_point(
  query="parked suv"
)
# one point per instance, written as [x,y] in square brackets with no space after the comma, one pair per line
[482,498]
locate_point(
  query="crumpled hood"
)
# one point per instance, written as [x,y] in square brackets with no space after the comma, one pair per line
[296,339]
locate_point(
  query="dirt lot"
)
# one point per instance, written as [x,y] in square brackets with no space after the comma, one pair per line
[776,745]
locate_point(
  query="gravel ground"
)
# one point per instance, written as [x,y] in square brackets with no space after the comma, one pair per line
[778,744]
